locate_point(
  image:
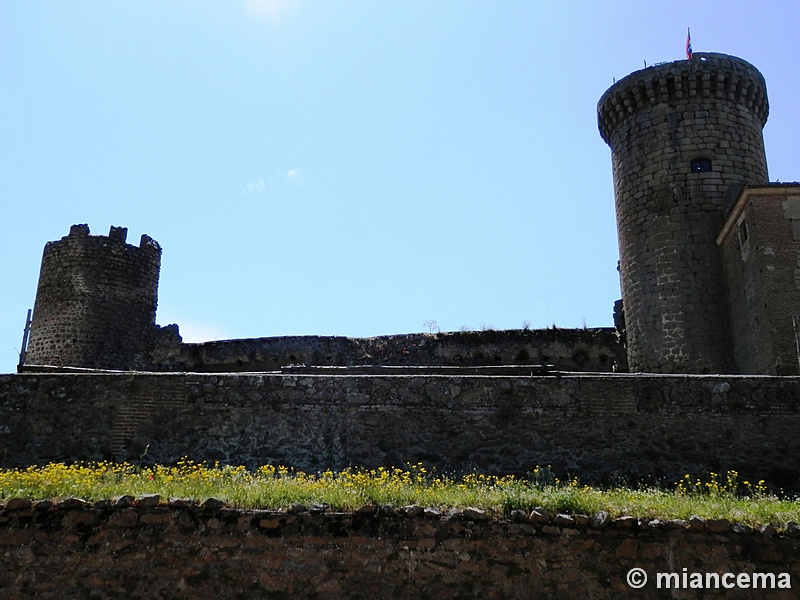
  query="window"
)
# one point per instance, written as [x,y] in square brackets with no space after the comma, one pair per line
[701,165]
[743,233]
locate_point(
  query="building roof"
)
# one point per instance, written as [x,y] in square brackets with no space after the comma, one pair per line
[743,197]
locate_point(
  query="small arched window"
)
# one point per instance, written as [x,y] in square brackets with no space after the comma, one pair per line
[701,165]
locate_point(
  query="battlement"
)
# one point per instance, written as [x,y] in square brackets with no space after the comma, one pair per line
[115,234]
[81,230]
[706,75]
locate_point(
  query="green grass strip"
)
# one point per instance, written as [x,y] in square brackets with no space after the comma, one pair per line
[271,487]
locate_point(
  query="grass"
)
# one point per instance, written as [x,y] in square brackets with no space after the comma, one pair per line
[271,487]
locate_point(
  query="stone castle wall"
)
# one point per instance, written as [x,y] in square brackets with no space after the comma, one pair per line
[658,122]
[596,350]
[96,301]
[76,549]
[650,427]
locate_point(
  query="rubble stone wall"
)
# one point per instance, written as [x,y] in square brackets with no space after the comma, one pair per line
[165,551]
[652,427]
[596,350]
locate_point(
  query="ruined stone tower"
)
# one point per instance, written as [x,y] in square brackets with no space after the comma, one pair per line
[96,301]
[685,137]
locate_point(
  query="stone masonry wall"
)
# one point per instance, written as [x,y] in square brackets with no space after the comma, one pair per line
[657,121]
[150,550]
[597,349]
[96,301]
[761,251]
[650,427]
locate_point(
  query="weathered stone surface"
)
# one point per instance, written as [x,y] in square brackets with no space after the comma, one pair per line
[297,508]
[519,516]
[474,514]
[148,500]
[13,504]
[157,518]
[123,518]
[768,530]
[551,530]
[626,522]
[182,502]
[212,504]
[317,508]
[654,523]
[639,426]
[540,515]
[73,503]
[79,518]
[563,519]
[123,501]
[601,519]
[269,523]
[596,350]
[696,523]
[717,525]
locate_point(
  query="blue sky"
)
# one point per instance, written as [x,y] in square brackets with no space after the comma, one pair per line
[346,167]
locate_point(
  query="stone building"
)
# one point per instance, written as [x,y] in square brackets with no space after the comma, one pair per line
[96,301]
[760,245]
[687,150]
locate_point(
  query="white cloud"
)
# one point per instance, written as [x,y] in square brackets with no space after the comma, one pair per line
[257,187]
[273,184]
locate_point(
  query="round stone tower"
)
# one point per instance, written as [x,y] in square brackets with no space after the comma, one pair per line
[96,301]
[684,136]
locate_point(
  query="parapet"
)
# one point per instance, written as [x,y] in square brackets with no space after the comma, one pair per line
[115,234]
[705,75]
[119,234]
[147,242]
[81,230]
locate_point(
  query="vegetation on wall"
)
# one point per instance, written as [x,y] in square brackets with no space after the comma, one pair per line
[279,487]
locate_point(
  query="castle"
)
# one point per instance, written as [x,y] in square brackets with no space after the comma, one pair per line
[710,277]
[709,257]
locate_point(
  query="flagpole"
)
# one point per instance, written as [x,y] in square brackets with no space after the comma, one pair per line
[688,43]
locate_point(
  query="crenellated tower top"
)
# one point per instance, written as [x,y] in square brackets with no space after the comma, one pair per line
[706,75]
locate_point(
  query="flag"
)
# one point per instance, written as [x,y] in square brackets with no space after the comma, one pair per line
[688,44]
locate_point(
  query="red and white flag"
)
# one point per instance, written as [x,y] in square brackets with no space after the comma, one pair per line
[688,44]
